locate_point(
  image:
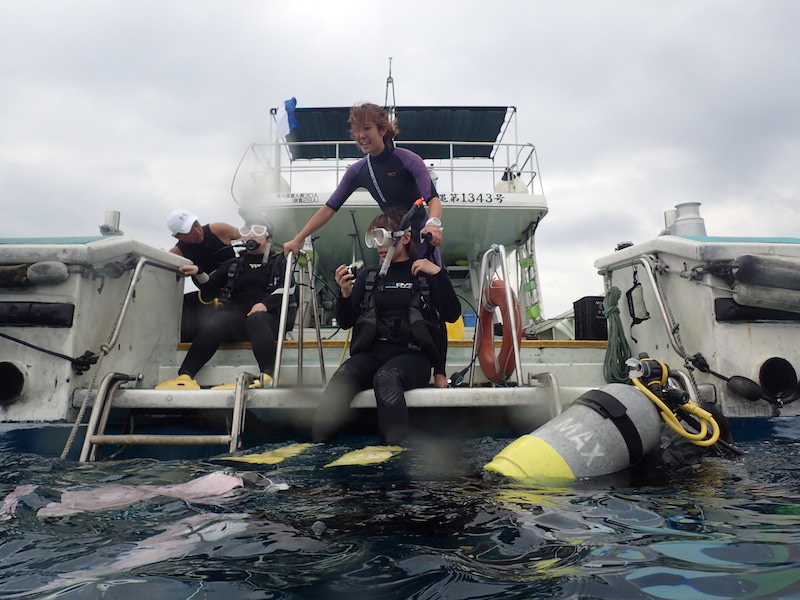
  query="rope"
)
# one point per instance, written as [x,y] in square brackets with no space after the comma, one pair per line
[618,351]
[79,365]
[74,431]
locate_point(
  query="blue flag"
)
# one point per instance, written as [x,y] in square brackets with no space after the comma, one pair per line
[286,119]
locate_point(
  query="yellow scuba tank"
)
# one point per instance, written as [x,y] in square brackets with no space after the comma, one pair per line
[604,431]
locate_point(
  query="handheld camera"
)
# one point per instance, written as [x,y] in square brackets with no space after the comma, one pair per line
[353,268]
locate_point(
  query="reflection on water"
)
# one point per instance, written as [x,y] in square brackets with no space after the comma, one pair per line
[428,524]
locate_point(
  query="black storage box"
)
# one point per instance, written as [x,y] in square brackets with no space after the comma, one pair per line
[590,320]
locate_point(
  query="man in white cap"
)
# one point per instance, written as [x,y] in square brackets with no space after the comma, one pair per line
[207,246]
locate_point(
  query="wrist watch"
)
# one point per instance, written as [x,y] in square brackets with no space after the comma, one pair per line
[435,222]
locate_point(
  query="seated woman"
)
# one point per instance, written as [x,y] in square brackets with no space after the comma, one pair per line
[250,288]
[396,319]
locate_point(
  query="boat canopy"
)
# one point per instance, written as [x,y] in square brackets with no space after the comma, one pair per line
[474,124]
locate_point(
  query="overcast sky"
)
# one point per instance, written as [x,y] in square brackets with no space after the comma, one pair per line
[145,106]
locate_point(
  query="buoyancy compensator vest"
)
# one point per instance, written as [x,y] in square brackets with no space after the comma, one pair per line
[417,327]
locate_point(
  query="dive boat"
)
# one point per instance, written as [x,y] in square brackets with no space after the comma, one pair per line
[90,325]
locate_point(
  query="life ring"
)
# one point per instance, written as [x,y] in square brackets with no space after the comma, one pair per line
[497,368]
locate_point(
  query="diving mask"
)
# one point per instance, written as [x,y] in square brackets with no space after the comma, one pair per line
[379,236]
[256,230]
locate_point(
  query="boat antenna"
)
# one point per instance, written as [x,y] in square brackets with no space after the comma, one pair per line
[390,84]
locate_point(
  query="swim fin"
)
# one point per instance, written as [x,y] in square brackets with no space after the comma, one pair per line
[369,455]
[181,382]
[271,457]
[264,382]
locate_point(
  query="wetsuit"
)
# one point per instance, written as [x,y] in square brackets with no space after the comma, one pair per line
[402,178]
[389,367]
[255,282]
[208,254]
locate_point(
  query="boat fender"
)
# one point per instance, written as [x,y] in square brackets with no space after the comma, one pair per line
[761,296]
[48,272]
[497,368]
[603,432]
[769,271]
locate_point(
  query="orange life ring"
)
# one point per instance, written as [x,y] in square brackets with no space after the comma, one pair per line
[497,368]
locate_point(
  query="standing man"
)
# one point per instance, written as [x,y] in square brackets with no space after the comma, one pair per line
[207,246]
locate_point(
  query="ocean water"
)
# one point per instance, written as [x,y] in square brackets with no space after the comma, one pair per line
[427,524]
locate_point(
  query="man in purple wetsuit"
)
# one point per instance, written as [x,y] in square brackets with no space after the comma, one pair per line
[395,177]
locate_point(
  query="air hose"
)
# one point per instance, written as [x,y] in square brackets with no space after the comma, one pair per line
[705,418]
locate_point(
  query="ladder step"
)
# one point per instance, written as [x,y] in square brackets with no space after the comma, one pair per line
[160,440]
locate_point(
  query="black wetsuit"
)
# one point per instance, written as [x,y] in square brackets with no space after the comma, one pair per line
[256,282]
[402,179]
[389,368]
[208,254]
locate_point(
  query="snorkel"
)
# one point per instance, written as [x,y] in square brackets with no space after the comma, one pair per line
[404,224]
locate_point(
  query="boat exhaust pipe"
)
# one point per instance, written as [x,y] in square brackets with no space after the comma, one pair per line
[12,382]
[778,379]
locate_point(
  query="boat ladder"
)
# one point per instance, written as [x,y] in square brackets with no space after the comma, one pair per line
[96,436]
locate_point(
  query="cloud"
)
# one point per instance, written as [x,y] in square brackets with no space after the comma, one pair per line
[634,107]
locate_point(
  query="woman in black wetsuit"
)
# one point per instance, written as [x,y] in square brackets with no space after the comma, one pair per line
[392,349]
[250,288]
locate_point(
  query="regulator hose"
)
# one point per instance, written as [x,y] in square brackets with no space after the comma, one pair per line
[705,418]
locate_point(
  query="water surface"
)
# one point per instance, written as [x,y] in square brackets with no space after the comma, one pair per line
[428,524]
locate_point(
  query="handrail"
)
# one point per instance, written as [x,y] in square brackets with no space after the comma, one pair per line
[647,262]
[100,410]
[318,331]
[287,281]
[484,276]
[504,156]
[106,348]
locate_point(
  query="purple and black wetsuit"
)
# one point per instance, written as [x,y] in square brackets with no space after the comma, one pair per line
[402,178]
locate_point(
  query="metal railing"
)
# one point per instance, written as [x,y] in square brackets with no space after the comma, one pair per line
[275,160]
[488,269]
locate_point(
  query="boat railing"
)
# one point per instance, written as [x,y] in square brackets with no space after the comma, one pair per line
[494,260]
[508,167]
[287,284]
[652,267]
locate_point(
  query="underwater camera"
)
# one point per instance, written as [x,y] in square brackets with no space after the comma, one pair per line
[353,268]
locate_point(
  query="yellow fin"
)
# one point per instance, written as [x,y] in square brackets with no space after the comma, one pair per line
[369,455]
[271,457]
[181,382]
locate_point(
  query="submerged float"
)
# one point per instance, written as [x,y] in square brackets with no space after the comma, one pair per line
[90,325]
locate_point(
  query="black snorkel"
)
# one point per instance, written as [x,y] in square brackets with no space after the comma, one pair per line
[404,224]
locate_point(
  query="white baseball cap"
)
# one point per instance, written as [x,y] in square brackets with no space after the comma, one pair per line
[181,221]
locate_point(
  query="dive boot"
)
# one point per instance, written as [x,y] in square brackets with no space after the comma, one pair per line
[181,382]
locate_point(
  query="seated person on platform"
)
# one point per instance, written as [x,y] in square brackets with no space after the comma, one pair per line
[207,246]
[395,320]
[250,288]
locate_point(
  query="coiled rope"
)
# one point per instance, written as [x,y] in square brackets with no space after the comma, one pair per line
[618,351]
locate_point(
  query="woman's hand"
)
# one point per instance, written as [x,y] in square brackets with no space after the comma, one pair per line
[344,280]
[257,308]
[292,246]
[188,270]
[436,235]
[423,265]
